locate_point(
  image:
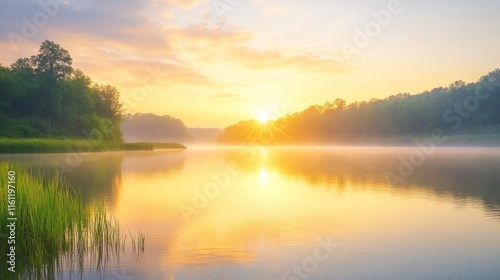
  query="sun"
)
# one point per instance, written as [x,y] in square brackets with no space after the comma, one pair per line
[263,117]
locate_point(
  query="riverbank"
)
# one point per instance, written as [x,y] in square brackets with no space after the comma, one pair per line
[444,140]
[457,140]
[50,145]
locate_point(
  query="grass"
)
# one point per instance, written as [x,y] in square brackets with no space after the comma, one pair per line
[49,145]
[54,227]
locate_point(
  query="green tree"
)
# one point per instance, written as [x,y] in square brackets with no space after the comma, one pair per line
[77,103]
[44,96]
[6,92]
[51,66]
[109,109]
[26,87]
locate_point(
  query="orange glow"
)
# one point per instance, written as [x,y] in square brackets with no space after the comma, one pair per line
[275,209]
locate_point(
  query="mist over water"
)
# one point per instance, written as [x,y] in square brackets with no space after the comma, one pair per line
[258,212]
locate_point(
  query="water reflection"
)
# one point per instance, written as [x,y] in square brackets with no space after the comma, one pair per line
[99,175]
[269,216]
[458,173]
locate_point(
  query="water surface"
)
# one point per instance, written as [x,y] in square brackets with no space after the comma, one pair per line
[267,213]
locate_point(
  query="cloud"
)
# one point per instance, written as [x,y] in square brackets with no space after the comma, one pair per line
[270,59]
[185,4]
[231,97]
[113,66]
[233,45]
[117,41]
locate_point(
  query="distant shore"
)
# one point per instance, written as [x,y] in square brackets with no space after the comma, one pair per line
[456,140]
[54,145]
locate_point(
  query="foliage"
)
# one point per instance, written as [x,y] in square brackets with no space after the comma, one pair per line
[459,108]
[44,96]
[55,228]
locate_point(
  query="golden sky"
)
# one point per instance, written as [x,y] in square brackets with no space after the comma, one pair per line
[212,63]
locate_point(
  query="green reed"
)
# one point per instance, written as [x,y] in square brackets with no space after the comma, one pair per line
[54,227]
[49,145]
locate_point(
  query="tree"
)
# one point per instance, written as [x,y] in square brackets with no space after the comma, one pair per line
[52,65]
[44,96]
[77,103]
[6,92]
[23,67]
[108,104]
[25,86]
[339,104]
[400,116]
[109,109]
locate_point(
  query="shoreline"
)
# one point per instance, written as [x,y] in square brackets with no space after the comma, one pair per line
[55,145]
[457,140]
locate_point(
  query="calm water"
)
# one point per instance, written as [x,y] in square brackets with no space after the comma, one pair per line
[297,213]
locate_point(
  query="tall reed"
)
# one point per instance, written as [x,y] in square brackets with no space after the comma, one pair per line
[49,145]
[54,227]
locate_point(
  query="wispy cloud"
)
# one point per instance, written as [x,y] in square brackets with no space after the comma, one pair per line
[232,97]
[283,48]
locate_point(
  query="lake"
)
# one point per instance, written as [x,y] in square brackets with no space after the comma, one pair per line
[295,213]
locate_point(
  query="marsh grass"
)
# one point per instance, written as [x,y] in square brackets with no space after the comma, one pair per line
[55,229]
[49,145]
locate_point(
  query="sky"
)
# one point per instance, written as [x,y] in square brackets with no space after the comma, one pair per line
[213,63]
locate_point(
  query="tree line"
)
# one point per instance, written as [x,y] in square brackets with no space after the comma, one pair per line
[43,96]
[153,128]
[460,108]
